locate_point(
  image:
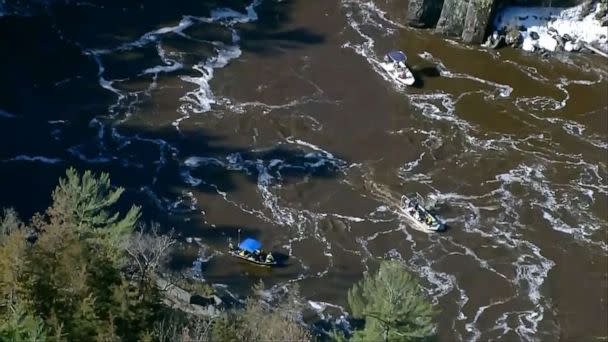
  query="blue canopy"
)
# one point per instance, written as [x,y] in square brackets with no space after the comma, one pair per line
[397,56]
[250,245]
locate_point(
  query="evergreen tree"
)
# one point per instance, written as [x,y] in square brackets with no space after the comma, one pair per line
[18,325]
[392,305]
[9,222]
[83,203]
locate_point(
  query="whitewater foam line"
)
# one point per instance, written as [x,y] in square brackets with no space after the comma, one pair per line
[531,267]
[423,102]
[574,129]
[169,65]
[240,108]
[268,175]
[200,100]
[532,72]
[441,283]
[6,115]
[534,178]
[39,159]
[472,326]
[105,83]
[503,89]
[165,149]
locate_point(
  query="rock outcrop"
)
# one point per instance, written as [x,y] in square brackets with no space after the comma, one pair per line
[423,13]
[467,19]
[476,23]
[451,20]
[178,298]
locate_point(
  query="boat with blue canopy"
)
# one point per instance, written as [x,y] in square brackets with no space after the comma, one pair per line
[395,65]
[251,250]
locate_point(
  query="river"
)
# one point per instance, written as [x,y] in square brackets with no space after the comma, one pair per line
[273,118]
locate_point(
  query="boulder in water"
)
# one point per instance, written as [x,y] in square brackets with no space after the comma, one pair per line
[534,35]
[513,38]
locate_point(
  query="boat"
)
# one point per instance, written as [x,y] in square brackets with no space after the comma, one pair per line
[251,251]
[419,217]
[395,66]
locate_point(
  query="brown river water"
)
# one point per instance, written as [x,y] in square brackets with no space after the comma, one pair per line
[275,119]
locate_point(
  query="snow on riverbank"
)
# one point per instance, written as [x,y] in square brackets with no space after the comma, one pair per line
[554,26]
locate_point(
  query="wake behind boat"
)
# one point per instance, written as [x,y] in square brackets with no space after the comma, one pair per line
[395,66]
[418,217]
[250,250]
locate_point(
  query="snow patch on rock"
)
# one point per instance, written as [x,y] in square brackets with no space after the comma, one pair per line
[550,22]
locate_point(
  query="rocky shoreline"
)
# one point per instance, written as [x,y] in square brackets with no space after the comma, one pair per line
[543,29]
[520,24]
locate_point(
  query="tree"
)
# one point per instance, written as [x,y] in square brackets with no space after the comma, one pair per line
[17,325]
[59,278]
[83,203]
[147,252]
[279,320]
[392,305]
[9,222]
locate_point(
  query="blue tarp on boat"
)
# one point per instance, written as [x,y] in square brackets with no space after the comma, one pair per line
[250,245]
[397,56]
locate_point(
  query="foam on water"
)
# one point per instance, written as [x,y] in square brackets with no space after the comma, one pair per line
[169,65]
[200,100]
[503,90]
[39,159]
[6,115]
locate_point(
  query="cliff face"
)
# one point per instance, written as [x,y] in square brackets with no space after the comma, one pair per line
[423,13]
[453,14]
[479,15]
[467,19]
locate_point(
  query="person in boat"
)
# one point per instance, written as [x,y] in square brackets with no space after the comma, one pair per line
[258,255]
[429,219]
[269,258]
[231,246]
[243,252]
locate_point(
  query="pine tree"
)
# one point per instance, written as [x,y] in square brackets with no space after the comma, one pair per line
[9,222]
[392,305]
[83,202]
[18,325]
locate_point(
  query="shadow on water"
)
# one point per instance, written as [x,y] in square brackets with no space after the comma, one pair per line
[50,90]
[88,25]
[421,73]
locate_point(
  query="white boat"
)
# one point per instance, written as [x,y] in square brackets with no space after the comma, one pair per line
[395,66]
[418,217]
